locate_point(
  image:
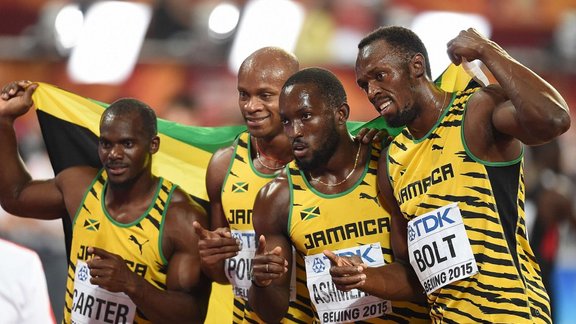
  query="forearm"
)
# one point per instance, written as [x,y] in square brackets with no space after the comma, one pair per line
[13,173]
[540,107]
[270,303]
[169,306]
[394,281]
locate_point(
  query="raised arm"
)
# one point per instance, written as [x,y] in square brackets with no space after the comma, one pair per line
[19,193]
[185,299]
[526,107]
[269,295]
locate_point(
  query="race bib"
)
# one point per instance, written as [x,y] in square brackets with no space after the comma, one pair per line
[239,268]
[439,248]
[92,304]
[336,306]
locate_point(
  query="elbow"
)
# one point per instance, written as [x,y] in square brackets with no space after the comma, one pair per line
[9,206]
[556,125]
[549,127]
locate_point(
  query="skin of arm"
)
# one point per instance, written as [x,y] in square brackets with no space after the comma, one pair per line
[187,289]
[19,193]
[269,294]
[394,281]
[522,106]
[218,244]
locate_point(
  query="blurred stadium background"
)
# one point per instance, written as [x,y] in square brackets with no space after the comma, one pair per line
[181,57]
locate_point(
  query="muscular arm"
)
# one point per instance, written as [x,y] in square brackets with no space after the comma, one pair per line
[531,109]
[187,289]
[217,245]
[273,262]
[215,176]
[19,193]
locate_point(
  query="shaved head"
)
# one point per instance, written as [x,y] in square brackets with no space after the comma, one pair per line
[271,62]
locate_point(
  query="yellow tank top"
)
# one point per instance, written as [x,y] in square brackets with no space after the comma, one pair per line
[438,170]
[349,222]
[139,243]
[241,185]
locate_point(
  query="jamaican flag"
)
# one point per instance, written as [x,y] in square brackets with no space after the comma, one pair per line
[70,128]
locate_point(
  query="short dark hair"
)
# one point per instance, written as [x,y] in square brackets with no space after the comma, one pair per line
[127,106]
[327,83]
[404,40]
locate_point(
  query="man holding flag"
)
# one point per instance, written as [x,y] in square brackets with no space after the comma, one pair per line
[134,255]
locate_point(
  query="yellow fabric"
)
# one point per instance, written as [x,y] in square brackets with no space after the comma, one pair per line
[349,219]
[174,160]
[438,170]
[139,242]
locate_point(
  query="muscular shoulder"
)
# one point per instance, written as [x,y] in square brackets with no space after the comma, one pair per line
[219,163]
[222,157]
[73,183]
[487,111]
[178,232]
[271,208]
[183,207]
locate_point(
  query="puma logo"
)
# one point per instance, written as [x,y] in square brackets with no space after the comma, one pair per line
[364,195]
[133,239]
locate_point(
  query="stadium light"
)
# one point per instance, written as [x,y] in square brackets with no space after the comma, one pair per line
[437,28]
[109,42]
[266,23]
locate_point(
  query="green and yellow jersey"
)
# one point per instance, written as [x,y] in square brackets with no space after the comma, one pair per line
[466,233]
[138,242]
[348,223]
[241,185]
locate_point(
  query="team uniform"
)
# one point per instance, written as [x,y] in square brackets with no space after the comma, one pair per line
[239,190]
[466,232]
[139,243]
[348,223]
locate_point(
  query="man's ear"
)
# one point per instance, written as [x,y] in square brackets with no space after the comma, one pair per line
[418,66]
[154,144]
[343,113]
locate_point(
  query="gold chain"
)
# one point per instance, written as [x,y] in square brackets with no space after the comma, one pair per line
[262,162]
[345,179]
[442,105]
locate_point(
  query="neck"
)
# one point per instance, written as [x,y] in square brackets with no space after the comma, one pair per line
[271,154]
[130,192]
[340,169]
[432,102]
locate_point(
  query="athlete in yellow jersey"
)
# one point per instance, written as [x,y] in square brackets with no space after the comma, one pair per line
[454,178]
[326,199]
[134,255]
[236,173]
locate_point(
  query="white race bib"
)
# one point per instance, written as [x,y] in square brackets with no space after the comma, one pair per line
[92,304]
[439,248]
[336,306]
[239,268]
